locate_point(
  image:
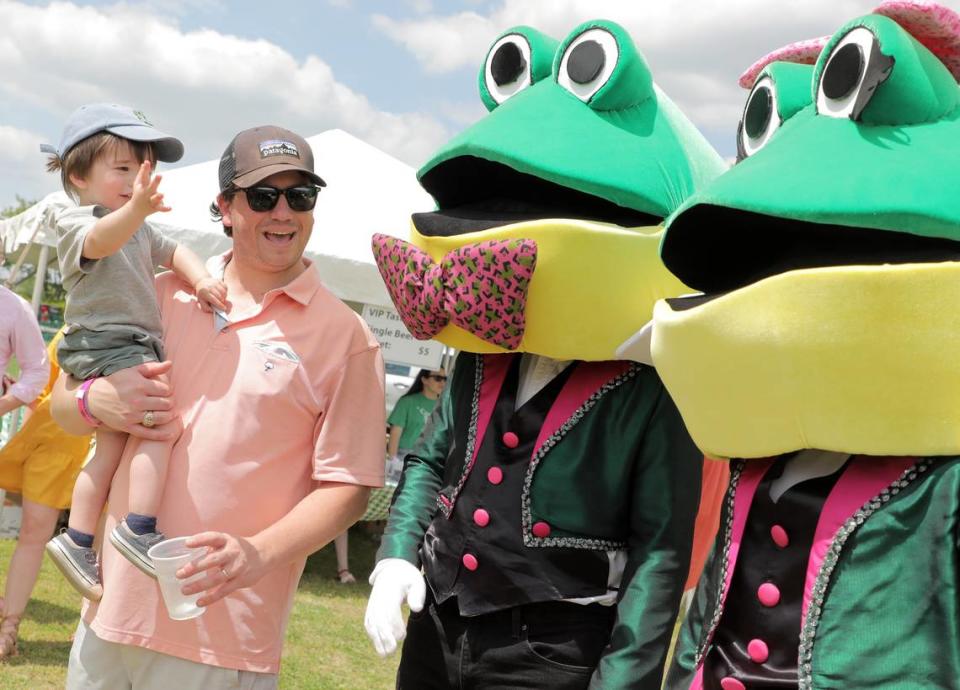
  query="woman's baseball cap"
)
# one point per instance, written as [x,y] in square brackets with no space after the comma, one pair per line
[120,120]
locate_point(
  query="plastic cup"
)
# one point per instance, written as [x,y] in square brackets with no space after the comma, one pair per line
[168,557]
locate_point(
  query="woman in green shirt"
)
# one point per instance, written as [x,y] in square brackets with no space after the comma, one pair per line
[410,414]
[406,423]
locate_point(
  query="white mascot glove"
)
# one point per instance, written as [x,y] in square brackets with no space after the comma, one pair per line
[393,580]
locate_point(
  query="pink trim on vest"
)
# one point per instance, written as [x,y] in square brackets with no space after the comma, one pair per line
[495,369]
[860,482]
[585,380]
[697,683]
[750,479]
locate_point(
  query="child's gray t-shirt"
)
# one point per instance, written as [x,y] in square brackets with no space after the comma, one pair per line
[116,292]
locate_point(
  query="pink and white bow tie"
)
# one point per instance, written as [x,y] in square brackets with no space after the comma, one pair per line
[482,288]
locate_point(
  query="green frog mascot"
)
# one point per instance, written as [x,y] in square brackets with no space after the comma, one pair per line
[551,499]
[821,357]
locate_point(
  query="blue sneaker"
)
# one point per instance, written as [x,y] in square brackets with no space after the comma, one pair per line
[78,564]
[134,547]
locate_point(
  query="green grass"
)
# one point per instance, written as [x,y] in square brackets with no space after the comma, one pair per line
[326,646]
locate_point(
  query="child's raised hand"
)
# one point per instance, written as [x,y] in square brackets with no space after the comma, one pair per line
[211,293]
[146,198]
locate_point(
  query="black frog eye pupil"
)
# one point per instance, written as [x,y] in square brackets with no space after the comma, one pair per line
[586,62]
[759,111]
[842,73]
[507,64]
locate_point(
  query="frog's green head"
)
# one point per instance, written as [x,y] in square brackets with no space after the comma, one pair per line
[829,256]
[583,155]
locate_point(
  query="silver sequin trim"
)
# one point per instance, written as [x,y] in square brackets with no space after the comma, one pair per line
[553,440]
[447,510]
[820,585]
[736,469]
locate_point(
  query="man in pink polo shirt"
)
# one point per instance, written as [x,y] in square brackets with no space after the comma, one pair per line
[281,401]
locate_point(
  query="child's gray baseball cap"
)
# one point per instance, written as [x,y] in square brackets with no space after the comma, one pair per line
[120,120]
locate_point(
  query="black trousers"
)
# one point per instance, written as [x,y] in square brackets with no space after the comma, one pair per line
[548,646]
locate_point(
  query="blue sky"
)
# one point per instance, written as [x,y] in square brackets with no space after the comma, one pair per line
[400,75]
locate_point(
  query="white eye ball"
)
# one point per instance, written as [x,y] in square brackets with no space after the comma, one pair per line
[507,69]
[854,70]
[760,119]
[588,62]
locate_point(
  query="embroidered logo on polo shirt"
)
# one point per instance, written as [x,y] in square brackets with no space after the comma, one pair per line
[281,350]
[278,147]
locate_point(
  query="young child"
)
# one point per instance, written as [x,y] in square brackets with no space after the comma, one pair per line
[108,254]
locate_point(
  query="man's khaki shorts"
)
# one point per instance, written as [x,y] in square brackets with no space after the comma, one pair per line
[96,664]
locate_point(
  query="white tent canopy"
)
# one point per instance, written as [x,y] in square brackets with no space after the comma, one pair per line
[35,225]
[367,191]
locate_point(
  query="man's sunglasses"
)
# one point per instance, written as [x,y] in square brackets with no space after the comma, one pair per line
[301,198]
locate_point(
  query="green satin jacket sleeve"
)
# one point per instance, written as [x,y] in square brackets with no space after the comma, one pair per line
[683,666]
[415,499]
[663,509]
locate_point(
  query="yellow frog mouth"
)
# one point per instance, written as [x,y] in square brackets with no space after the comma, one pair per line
[856,359]
[594,285]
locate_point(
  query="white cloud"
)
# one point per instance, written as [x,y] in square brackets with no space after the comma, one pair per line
[441,44]
[19,144]
[202,86]
[22,165]
[696,50]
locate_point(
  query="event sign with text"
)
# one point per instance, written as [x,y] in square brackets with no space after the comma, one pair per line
[396,343]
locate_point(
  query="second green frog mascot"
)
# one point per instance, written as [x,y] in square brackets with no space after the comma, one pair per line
[822,357]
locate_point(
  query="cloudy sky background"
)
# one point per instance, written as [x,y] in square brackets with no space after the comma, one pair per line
[400,74]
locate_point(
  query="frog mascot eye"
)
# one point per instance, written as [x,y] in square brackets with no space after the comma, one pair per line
[516,60]
[588,62]
[853,71]
[507,68]
[778,93]
[760,119]
[599,64]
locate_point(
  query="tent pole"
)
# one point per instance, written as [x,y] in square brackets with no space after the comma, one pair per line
[12,278]
[40,279]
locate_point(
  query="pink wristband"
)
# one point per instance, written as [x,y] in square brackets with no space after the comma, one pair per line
[81,394]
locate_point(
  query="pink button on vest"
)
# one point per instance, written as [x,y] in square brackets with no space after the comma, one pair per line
[541,530]
[481,517]
[768,594]
[731,683]
[779,536]
[758,651]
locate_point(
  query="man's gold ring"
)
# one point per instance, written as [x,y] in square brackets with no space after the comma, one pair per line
[149,419]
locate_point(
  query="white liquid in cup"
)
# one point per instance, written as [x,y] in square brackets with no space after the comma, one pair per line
[168,557]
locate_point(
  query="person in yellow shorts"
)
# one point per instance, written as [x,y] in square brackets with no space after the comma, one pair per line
[41,462]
